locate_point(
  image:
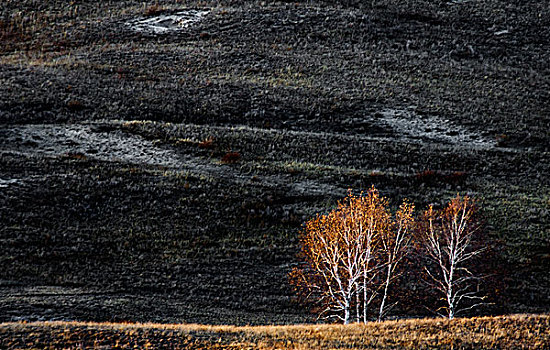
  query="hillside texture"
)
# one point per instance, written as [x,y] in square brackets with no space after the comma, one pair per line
[157,162]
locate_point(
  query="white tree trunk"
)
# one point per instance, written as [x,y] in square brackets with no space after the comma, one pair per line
[358,303]
[385,296]
[365,299]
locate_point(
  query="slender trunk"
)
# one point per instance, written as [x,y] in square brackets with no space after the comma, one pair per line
[450,301]
[346,314]
[358,303]
[365,300]
[387,284]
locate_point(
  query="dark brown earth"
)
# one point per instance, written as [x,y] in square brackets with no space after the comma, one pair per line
[165,176]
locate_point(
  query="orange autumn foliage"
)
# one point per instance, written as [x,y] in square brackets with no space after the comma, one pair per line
[345,250]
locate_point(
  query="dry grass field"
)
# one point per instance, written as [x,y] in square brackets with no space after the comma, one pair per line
[505,332]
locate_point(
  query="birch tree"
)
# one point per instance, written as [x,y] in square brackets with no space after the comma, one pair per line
[336,251]
[395,245]
[340,251]
[449,240]
[377,218]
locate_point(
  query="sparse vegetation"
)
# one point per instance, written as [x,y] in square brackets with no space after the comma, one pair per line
[231,157]
[153,10]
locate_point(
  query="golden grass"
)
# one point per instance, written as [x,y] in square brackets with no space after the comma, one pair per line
[503,332]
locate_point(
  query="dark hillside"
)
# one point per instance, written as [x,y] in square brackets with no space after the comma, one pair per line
[156,162]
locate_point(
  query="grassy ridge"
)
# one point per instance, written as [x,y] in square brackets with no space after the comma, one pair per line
[510,332]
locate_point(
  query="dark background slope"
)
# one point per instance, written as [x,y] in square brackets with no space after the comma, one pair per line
[115,202]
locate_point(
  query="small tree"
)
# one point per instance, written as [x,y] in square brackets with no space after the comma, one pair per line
[395,245]
[341,251]
[336,251]
[449,240]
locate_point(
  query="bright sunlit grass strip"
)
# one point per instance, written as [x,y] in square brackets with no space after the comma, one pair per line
[516,331]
